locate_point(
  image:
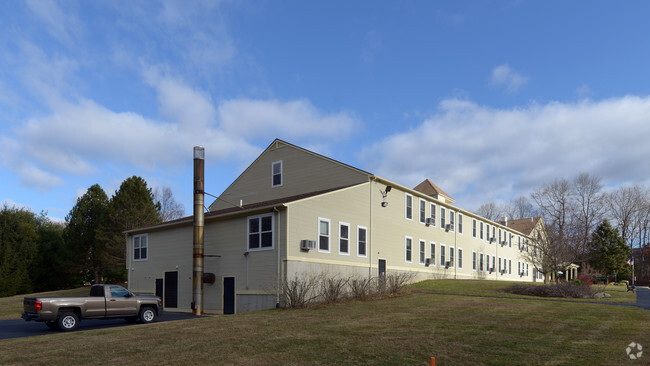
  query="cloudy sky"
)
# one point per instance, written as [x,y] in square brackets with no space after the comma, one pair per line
[489,99]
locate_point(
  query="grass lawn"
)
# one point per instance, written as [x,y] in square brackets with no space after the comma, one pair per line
[456,328]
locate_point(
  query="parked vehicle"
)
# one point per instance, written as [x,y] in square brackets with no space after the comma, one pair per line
[104,302]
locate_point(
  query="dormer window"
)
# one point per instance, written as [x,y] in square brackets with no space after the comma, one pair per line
[276,174]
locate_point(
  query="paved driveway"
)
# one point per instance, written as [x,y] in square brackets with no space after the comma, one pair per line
[16,328]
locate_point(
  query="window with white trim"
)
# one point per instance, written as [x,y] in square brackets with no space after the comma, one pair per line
[473,260]
[494,258]
[432,245]
[473,228]
[323,235]
[409,207]
[276,174]
[442,255]
[423,245]
[140,247]
[260,232]
[409,249]
[433,214]
[361,241]
[451,256]
[451,220]
[487,263]
[487,232]
[442,217]
[344,238]
[460,258]
[509,240]
[480,263]
[423,205]
[460,223]
[509,266]
[481,230]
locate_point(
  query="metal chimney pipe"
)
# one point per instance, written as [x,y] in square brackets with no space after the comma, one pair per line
[197,274]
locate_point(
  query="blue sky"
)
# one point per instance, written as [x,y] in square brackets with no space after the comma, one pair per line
[488,99]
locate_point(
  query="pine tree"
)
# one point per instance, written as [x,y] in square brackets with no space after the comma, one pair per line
[609,252]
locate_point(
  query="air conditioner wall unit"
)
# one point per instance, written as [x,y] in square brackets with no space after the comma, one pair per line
[430,221]
[307,244]
[449,227]
[427,262]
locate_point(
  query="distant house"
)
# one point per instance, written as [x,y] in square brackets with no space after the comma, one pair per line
[294,213]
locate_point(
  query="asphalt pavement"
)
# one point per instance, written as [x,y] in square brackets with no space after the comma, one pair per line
[17,328]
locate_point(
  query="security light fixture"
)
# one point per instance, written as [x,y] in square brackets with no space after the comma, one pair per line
[384,193]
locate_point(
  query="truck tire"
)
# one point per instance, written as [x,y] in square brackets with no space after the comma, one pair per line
[147,315]
[68,321]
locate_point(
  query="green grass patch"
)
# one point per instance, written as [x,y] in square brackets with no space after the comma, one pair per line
[457,329]
[486,288]
[12,307]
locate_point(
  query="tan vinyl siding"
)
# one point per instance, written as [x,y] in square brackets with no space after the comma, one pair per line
[302,172]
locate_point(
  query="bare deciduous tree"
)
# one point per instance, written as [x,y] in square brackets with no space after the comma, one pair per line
[169,208]
[588,211]
[490,211]
[624,203]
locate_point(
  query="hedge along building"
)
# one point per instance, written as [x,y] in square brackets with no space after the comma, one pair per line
[295,213]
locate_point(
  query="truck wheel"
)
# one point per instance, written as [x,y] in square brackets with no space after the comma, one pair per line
[147,315]
[68,321]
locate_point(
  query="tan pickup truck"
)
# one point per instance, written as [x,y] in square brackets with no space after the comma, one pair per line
[104,302]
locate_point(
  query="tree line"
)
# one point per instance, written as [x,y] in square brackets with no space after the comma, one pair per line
[586,225]
[37,254]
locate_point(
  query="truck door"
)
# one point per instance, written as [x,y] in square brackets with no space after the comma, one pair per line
[120,302]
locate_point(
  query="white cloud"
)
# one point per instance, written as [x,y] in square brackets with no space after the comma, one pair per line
[480,154]
[505,76]
[62,25]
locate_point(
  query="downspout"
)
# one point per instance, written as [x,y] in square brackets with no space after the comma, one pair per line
[370,234]
[277,296]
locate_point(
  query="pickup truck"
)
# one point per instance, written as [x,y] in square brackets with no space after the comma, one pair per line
[104,302]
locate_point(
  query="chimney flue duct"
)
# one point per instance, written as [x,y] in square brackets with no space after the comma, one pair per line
[197,274]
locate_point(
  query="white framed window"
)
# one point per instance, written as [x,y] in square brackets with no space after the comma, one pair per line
[499,242]
[442,255]
[442,217]
[494,258]
[481,230]
[362,241]
[499,264]
[460,258]
[408,249]
[526,269]
[487,263]
[487,232]
[432,254]
[344,238]
[423,245]
[509,266]
[433,214]
[451,256]
[409,207]
[140,247]
[473,228]
[480,263]
[460,223]
[494,231]
[473,260]
[260,232]
[451,220]
[509,240]
[423,205]
[323,235]
[276,174]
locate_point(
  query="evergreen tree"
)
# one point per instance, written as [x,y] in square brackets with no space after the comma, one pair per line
[609,252]
[83,234]
[19,241]
[51,268]
[131,207]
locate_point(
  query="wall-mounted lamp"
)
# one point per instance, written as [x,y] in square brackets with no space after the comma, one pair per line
[384,193]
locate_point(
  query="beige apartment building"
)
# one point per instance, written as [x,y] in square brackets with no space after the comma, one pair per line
[296,213]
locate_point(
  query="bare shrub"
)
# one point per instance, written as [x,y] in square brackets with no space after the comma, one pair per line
[332,289]
[396,282]
[299,291]
[562,289]
[360,288]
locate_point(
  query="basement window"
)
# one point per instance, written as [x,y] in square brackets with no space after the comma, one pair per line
[260,232]
[140,247]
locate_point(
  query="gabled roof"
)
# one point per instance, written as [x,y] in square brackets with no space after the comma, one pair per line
[430,189]
[524,226]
